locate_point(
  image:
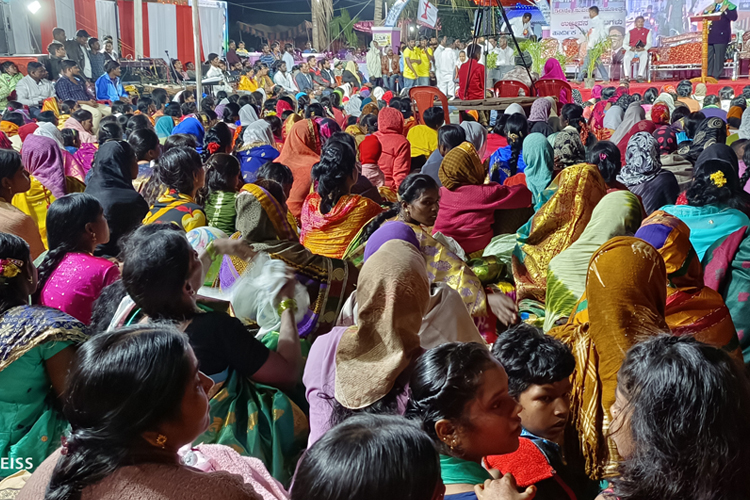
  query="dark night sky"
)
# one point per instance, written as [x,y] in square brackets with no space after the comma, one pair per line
[236,13]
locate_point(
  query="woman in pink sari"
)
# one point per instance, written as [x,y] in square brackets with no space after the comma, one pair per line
[553,71]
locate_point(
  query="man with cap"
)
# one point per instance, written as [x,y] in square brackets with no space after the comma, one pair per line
[77,50]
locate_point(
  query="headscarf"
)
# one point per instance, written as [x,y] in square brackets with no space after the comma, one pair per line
[515,108]
[83,134]
[633,115]
[692,307]
[378,93]
[641,126]
[27,130]
[219,110]
[735,114]
[624,302]
[300,152]
[666,139]
[554,227]
[642,160]
[709,132]
[393,294]
[540,109]
[613,118]
[744,131]
[552,69]
[191,126]
[477,135]
[660,114]
[43,159]
[328,127]
[568,149]
[354,106]
[666,99]
[352,68]
[281,106]
[539,158]
[596,92]
[288,124]
[258,133]
[46,129]
[619,213]
[577,97]
[461,167]
[248,115]
[164,127]
[700,92]
[370,109]
[392,230]
[596,120]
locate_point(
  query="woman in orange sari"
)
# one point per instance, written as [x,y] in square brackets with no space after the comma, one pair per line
[692,307]
[301,151]
[331,216]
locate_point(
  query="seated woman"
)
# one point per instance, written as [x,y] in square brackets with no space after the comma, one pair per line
[386,446]
[70,277]
[716,205]
[460,398]
[181,171]
[539,117]
[668,376]
[82,121]
[145,144]
[692,307]
[112,185]
[643,175]
[258,146]
[364,368]
[223,181]
[301,151]
[624,303]
[14,180]
[262,222]
[161,274]
[331,217]
[128,421]
[568,149]
[671,160]
[506,162]
[554,227]
[606,157]
[468,205]
[538,156]
[619,213]
[37,346]
[43,159]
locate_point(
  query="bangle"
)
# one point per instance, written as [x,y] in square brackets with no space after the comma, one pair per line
[211,251]
[287,304]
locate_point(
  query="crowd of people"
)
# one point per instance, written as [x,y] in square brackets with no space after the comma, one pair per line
[335,295]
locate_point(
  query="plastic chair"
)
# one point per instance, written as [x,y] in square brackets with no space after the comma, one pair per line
[423,97]
[554,88]
[511,88]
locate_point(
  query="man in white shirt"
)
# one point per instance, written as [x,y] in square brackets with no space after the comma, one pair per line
[521,26]
[445,62]
[596,33]
[637,42]
[34,88]
[288,56]
[214,71]
[284,79]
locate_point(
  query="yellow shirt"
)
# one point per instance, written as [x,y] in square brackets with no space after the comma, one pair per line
[423,70]
[247,84]
[423,140]
[35,203]
[411,54]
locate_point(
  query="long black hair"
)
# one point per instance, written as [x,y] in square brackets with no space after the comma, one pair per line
[13,247]
[123,383]
[366,458]
[689,409]
[704,190]
[222,172]
[137,122]
[10,164]
[66,225]
[231,113]
[336,165]
[142,141]
[606,156]
[156,264]
[444,380]
[516,130]
[220,135]
[177,168]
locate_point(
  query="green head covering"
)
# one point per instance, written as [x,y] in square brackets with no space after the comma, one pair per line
[539,158]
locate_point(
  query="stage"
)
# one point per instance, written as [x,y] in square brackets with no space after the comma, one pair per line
[713,88]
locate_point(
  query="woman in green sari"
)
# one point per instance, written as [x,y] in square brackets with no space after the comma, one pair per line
[223,181]
[36,346]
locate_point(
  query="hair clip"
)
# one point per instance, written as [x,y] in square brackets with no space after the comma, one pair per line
[213,147]
[10,268]
[718,179]
[602,156]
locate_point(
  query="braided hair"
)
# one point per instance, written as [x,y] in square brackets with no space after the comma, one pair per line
[337,164]
[218,140]
[516,130]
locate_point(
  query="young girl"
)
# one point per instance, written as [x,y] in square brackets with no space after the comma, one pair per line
[223,182]
[459,395]
[180,170]
[218,140]
[145,144]
[331,216]
[70,277]
[679,421]
[71,140]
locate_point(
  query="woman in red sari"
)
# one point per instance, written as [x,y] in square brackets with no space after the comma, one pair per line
[301,151]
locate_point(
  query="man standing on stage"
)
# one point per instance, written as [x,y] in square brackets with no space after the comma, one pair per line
[637,42]
[596,34]
[719,35]
[445,61]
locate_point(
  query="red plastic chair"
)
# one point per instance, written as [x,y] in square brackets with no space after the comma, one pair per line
[510,88]
[554,88]
[423,97]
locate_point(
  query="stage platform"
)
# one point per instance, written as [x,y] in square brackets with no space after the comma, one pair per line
[713,88]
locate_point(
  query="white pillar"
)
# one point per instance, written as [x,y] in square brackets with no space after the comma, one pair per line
[138,27]
[197,55]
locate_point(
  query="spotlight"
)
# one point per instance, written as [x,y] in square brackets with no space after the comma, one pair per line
[34,7]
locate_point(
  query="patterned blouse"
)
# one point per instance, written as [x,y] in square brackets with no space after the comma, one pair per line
[176,208]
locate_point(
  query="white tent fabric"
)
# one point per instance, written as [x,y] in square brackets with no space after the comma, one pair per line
[21,28]
[66,16]
[162,29]
[212,28]
[106,19]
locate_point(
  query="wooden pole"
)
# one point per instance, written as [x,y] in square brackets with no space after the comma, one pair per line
[197,55]
[138,27]
[704,52]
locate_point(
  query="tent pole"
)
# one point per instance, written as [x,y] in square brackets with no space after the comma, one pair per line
[197,55]
[138,28]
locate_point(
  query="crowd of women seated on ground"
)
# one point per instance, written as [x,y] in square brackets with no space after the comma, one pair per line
[281,297]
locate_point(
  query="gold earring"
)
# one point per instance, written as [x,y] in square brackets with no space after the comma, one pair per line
[93,237]
[161,441]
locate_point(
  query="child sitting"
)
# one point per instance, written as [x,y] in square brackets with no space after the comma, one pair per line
[369,154]
[424,138]
[539,369]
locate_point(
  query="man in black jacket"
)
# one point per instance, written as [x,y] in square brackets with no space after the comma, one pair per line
[324,76]
[77,50]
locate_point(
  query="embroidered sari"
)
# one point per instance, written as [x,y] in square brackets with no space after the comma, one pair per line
[176,208]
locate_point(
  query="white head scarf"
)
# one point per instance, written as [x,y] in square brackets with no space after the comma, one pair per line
[477,135]
[258,133]
[50,130]
[247,115]
[377,93]
[354,106]
[514,108]
[744,131]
